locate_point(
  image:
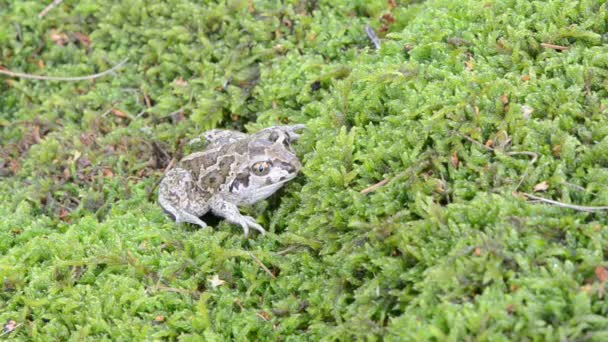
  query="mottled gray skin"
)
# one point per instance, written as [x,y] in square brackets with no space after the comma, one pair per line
[235,169]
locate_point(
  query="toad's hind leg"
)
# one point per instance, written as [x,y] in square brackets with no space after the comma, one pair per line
[177,196]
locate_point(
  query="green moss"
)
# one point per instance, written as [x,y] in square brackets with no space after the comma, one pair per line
[446,249]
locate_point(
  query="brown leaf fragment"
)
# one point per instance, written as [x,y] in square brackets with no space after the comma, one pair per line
[455,160]
[504,99]
[525,78]
[602,274]
[63,214]
[159,319]
[264,315]
[59,38]
[119,113]
[557,150]
[477,251]
[554,47]
[542,186]
[389,18]
[107,172]
[14,166]
[392,3]
[36,134]
[83,39]
[180,82]
[41,64]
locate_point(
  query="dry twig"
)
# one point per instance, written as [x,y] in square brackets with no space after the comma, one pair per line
[374,187]
[48,8]
[287,250]
[554,47]
[565,205]
[262,265]
[62,79]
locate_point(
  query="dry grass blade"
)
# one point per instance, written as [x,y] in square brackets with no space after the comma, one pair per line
[62,79]
[554,47]
[262,265]
[49,8]
[564,205]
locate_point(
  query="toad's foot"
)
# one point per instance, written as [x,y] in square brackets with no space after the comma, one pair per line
[231,213]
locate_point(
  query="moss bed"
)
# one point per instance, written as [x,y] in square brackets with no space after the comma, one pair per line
[410,220]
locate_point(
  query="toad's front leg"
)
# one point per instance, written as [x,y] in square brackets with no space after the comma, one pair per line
[231,212]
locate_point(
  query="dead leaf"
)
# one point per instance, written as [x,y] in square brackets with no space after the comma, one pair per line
[119,113]
[504,99]
[389,18]
[392,3]
[525,78]
[557,150]
[216,281]
[14,165]
[83,38]
[264,315]
[41,64]
[542,186]
[477,251]
[180,82]
[455,160]
[107,172]
[602,274]
[159,318]
[59,38]
[36,134]
[63,214]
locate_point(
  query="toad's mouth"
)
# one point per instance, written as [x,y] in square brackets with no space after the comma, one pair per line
[282,180]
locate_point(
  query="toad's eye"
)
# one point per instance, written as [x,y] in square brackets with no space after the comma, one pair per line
[261,168]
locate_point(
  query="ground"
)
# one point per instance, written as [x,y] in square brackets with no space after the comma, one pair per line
[416,216]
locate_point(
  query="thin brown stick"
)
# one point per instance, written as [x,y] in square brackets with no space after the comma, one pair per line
[374,187]
[564,205]
[262,265]
[48,8]
[261,316]
[473,141]
[62,79]
[554,47]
